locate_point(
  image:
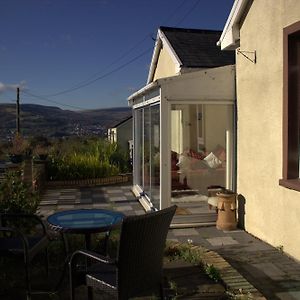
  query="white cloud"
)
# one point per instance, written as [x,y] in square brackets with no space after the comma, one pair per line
[12,87]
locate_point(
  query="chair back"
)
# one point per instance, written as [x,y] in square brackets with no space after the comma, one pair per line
[140,253]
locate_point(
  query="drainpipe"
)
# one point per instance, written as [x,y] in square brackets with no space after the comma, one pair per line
[235,125]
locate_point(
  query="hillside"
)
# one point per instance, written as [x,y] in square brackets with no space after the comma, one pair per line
[52,121]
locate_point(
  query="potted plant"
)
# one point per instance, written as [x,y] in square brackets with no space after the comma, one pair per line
[19,149]
[41,151]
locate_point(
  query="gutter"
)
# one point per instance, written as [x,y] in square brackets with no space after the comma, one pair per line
[142,91]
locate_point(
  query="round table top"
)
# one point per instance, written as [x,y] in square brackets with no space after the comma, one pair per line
[84,220]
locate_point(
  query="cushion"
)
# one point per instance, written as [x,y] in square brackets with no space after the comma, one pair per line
[212,160]
[184,162]
[197,164]
[194,154]
[220,152]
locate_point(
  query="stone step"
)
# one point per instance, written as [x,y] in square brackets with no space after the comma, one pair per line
[194,220]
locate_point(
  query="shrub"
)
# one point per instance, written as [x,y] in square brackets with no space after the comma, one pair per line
[16,196]
[121,159]
[90,158]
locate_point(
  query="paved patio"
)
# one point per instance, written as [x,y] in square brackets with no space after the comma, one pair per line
[269,270]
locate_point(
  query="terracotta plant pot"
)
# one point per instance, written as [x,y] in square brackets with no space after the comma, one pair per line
[16,158]
[226,210]
[43,156]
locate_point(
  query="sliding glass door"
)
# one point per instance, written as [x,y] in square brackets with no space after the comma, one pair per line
[147,151]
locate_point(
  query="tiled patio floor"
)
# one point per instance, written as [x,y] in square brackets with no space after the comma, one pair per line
[274,274]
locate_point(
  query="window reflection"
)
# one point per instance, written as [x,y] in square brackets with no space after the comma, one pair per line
[198,148]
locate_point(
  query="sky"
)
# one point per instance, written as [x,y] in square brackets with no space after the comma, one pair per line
[88,54]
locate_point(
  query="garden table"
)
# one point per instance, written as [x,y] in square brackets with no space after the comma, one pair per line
[82,221]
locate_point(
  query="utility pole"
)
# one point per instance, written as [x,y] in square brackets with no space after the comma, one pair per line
[18,111]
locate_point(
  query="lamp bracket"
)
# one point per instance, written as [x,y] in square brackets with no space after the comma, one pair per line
[250,55]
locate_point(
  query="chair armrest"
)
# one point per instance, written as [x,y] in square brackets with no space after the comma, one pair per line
[4,216]
[92,255]
[80,274]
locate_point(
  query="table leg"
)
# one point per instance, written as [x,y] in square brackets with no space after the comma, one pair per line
[106,239]
[66,244]
[88,246]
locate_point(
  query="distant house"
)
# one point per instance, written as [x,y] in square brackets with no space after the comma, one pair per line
[121,133]
[184,118]
[266,36]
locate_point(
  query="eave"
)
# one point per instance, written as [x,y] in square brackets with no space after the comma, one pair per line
[230,37]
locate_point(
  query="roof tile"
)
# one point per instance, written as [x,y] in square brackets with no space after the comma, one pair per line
[197,48]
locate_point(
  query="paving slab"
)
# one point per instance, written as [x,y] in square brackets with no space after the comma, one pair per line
[222,241]
[267,269]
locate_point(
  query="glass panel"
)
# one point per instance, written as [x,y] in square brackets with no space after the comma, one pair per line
[293,105]
[198,148]
[152,94]
[296,87]
[147,151]
[138,146]
[155,155]
[147,135]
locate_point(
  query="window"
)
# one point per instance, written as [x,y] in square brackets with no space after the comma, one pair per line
[198,149]
[291,107]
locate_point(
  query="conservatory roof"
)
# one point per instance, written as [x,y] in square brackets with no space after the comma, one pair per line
[215,84]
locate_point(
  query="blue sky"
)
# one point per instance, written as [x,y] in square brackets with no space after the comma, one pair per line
[50,47]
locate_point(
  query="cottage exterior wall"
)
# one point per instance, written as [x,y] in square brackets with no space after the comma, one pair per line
[165,65]
[124,134]
[272,212]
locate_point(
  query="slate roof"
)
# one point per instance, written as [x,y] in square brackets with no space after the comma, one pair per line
[121,122]
[197,48]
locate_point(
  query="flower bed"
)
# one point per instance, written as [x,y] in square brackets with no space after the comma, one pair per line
[216,267]
[123,178]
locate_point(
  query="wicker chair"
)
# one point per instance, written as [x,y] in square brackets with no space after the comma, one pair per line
[138,265]
[16,240]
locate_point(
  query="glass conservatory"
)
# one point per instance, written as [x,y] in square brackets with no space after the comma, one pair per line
[184,137]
